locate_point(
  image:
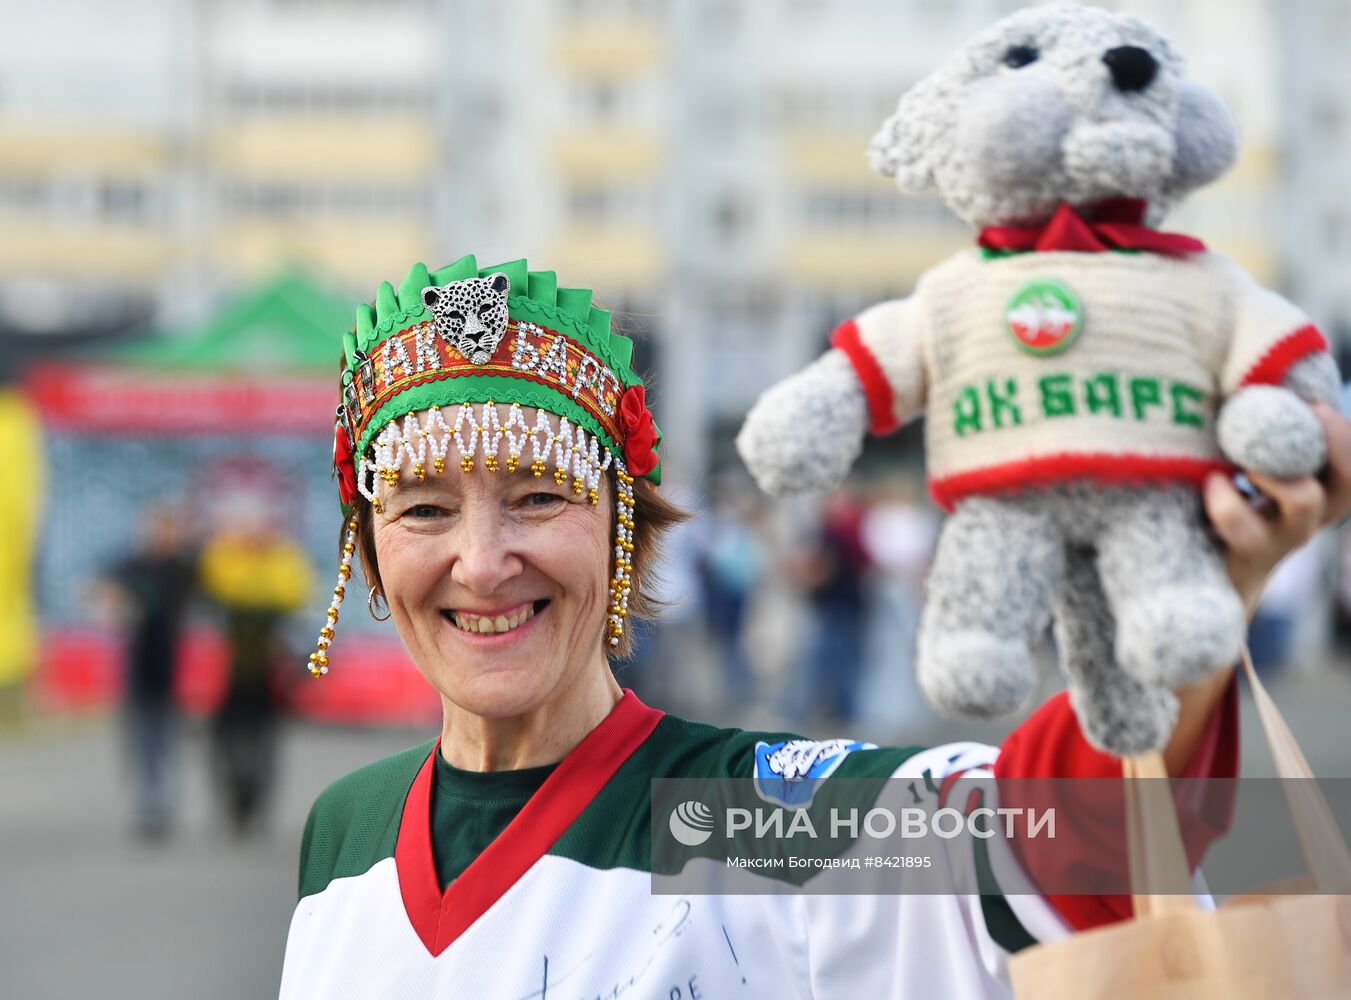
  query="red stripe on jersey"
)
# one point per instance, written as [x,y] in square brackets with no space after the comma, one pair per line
[439,918]
[1043,470]
[876,388]
[1271,367]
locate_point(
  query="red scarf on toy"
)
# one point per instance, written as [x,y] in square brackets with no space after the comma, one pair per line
[1118,224]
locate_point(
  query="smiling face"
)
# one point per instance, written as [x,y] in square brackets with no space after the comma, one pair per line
[497,583]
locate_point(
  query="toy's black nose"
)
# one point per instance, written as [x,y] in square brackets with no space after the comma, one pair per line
[1132,67]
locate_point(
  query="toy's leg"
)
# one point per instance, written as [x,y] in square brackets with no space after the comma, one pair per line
[989,596]
[1117,713]
[1178,617]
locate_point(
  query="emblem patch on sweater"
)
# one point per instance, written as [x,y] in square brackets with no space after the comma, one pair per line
[1044,316]
[787,774]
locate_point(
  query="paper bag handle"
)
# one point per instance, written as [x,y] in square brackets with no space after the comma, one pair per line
[1154,840]
[1320,841]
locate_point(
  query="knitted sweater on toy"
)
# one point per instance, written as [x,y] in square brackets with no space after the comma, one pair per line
[1040,367]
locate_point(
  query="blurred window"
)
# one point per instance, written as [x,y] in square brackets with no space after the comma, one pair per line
[586,9]
[25,195]
[124,200]
[731,216]
[324,97]
[611,204]
[339,4]
[608,101]
[871,210]
[1336,233]
[832,108]
[283,200]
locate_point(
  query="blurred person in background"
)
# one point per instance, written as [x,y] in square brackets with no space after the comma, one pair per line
[150,591]
[660,669]
[1294,590]
[256,576]
[20,506]
[899,533]
[732,565]
[510,525]
[833,572]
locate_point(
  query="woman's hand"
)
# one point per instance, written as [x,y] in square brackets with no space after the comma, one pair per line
[1254,544]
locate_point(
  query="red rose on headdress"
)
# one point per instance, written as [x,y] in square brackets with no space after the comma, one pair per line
[342,462]
[640,433]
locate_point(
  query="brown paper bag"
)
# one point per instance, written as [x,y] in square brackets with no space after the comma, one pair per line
[1275,947]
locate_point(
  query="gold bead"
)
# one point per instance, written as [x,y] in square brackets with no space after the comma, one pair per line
[322,645]
[377,506]
[352,525]
[467,464]
[593,495]
[345,572]
[327,633]
[513,463]
[490,463]
[339,591]
[321,659]
[348,549]
[560,476]
[537,468]
[578,487]
[419,472]
[316,672]
[439,464]
[314,657]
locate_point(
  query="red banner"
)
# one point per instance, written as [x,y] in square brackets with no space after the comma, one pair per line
[111,400]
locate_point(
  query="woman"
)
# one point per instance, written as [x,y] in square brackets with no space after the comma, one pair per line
[510,856]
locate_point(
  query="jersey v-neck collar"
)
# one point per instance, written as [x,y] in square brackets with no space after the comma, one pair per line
[441,917]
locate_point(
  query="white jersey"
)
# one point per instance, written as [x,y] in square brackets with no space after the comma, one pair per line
[561,904]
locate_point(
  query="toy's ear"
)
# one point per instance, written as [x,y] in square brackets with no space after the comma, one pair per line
[430,296]
[903,146]
[1207,138]
[500,283]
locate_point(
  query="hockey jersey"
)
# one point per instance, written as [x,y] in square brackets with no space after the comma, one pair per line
[560,904]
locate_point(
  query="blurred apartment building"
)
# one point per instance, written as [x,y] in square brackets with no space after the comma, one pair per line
[698,162]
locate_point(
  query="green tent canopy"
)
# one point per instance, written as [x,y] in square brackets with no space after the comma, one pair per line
[291,324]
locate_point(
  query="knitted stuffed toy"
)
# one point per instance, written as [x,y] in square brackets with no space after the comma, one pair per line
[1082,374]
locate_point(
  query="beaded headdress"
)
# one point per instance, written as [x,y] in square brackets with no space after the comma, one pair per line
[453,344]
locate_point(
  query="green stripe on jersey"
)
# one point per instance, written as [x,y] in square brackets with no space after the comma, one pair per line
[354,823]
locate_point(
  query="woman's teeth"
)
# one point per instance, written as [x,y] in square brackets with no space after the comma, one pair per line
[485,624]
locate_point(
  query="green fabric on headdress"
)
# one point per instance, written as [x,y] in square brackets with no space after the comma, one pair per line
[534,297]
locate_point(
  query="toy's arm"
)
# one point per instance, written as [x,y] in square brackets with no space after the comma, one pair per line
[805,432]
[1278,363]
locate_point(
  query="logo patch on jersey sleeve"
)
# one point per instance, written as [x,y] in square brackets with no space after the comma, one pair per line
[787,774]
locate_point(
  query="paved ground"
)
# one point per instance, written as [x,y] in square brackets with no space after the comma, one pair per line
[88,911]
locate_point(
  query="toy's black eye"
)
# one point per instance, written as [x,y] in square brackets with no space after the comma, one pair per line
[1019,56]
[456,315]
